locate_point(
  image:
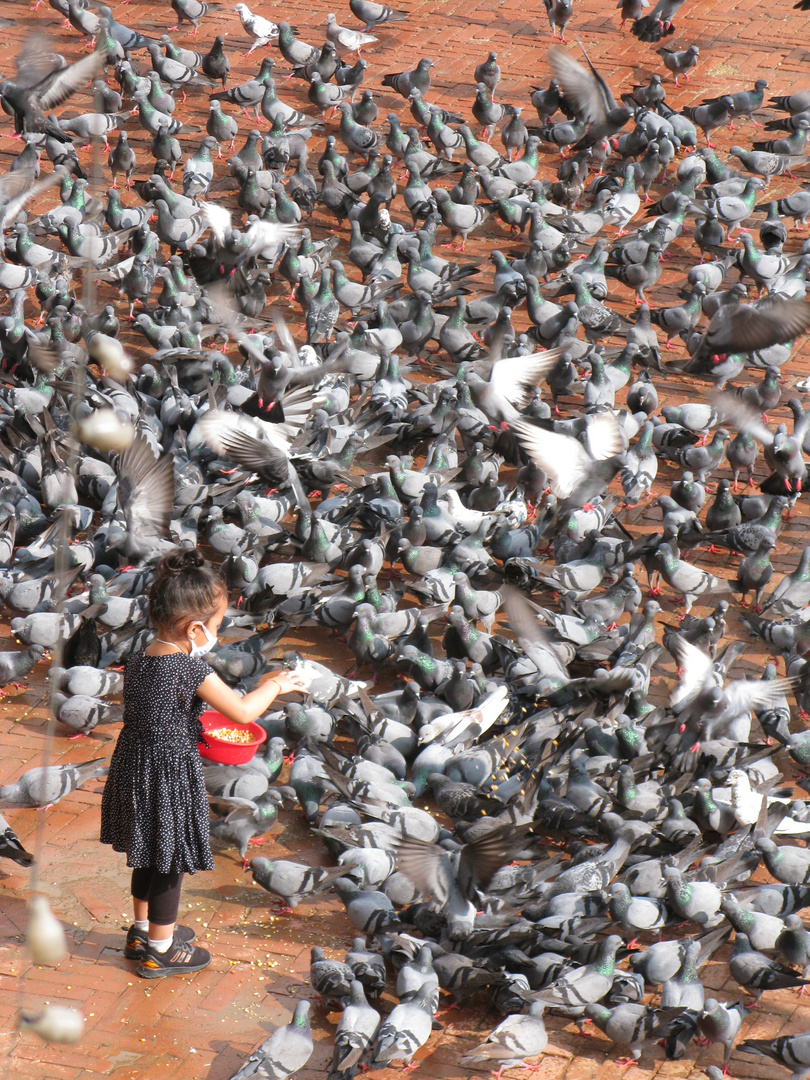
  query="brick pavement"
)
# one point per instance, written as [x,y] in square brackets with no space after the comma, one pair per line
[202,1027]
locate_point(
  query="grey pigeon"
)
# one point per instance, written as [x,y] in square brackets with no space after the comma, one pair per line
[794,943]
[632,1025]
[355,1033]
[586,984]
[16,665]
[792,1051]
[757,973]
[331,979]
[405,1030]
[284,1053]
[721,1023]
[695,900]
[515,1039]
[46,785]
[291,882]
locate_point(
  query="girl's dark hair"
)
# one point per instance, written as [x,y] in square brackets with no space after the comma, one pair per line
[184,588]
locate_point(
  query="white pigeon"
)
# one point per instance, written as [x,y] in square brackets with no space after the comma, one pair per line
[469,724]
[263,31]
[346,39]
[746,805]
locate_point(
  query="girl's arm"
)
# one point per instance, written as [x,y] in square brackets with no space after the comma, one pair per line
[243,709]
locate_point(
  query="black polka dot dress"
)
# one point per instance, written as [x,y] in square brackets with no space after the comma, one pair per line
[154,807]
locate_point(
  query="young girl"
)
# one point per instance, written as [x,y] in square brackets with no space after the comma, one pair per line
[155,807]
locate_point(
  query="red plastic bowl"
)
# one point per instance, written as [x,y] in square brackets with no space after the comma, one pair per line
[228,753]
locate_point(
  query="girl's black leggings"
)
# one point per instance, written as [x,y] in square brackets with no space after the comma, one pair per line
[161,891]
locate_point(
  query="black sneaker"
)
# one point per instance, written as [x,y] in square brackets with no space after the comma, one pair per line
[137,940]
[180,957]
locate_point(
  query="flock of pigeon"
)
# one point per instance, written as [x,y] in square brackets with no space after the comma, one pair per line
[441,474]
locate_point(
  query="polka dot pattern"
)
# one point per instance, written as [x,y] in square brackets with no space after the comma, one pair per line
[154,807]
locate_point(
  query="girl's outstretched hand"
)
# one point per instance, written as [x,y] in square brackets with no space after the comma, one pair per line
[287,681]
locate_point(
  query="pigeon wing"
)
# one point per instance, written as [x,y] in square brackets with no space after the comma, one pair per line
[579,86]
[750,327]
[563,459]
[733,411]
[426,865]
[145,490]
[36,61]
[62,84]
[604,437]
[745,694]
[218,219]
[482,858]
[534,639]
[515,377]
[257,449]
[696,667]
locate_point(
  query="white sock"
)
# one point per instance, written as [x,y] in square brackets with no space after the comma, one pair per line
[142,924]
[160,946]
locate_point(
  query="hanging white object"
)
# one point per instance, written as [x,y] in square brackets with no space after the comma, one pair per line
[44,937]
[105,431]
[55,1023]
[109,353]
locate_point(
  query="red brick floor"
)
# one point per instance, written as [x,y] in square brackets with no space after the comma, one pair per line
[202,1027]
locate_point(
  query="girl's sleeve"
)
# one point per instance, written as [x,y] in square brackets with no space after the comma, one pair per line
[198,672]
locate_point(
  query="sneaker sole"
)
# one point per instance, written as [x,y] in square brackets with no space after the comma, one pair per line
[162,973]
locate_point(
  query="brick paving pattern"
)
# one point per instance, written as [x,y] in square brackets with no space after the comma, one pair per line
[204,1026]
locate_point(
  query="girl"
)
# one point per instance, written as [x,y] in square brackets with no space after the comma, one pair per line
[155,807]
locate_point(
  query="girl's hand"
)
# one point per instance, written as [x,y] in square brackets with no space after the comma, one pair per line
[287,681]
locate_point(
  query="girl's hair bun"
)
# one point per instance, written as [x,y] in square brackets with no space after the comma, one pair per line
[180,561]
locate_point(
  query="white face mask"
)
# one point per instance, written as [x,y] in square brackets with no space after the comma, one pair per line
[210,642]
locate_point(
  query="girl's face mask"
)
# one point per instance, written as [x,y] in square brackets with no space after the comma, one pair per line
[210,642]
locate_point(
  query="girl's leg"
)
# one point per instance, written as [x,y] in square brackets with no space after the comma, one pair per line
[141,880]
[164,903]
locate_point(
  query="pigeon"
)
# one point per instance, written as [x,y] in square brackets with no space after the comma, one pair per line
[355,1033]
[10,846]
[721,1023]
[559,15]
[756,972]
[373,14]
[577,470]
[515,1039]
[680,63]
[792,1051]
[191,11]
[632,1025]
[291,881]
[262,30]
[16,665]
[46,785]
[29,104]
[345,39]
[589,96]
[284,1053]
[584,985]
[405,1030]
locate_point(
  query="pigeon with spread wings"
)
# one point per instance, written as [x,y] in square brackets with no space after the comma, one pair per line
[576,470]
[254,445]
[145,501]
[747,328]
[29,103]
[17,188]
[509,384]
[589,96]
[431,870]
